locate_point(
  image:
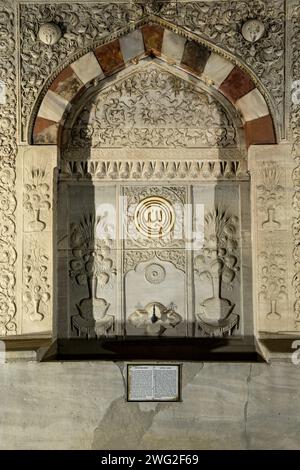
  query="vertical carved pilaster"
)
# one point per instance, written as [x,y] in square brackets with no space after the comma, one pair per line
[294,71]
[270,168]
[8,147]
[36,185]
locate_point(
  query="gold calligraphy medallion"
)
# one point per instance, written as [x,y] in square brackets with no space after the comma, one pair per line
[154,217]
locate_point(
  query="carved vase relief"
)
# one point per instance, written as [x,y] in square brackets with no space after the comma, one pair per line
[218,264]
[139,281]
[36,198]
[271,196]
[92,266]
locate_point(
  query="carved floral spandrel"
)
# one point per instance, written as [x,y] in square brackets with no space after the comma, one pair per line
[92,266]
[222,21]
[8,148]
[270,195]
[218,265]
[36,198]
[272,281]
[81,24]
[153,108]
[36,295]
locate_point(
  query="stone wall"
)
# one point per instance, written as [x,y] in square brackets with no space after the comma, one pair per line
[82,406]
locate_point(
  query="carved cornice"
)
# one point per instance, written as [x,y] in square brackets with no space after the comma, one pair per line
[99,170]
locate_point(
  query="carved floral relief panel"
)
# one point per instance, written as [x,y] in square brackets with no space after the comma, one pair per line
[36,193]
[273,293]
[271,198]
[130,254]
[152,108]
[217,265]
[222,24]
[87,256]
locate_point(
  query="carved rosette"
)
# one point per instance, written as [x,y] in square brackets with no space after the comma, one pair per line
[83,23]
[8,323]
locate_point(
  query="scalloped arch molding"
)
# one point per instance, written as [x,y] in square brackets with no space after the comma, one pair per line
[156,40]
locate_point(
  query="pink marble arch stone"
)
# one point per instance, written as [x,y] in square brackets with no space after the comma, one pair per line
[195,57]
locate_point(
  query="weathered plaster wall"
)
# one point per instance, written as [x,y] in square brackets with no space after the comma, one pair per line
[82,405]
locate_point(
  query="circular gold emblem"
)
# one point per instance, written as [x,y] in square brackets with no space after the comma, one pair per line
[154,217]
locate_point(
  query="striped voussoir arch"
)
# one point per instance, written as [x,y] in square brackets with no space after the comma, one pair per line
[153,39]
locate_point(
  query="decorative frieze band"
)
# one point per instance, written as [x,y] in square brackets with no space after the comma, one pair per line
[153,170]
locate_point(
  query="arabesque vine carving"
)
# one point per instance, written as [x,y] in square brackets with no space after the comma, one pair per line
[295,127]
[222,24]
[153,108]
[8,150]
[82,24]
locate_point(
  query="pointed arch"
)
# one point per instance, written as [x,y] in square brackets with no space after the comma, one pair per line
[180,49]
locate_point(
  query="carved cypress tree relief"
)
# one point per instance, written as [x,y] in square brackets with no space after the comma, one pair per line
[273,272]
[217,265]
[92,266]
